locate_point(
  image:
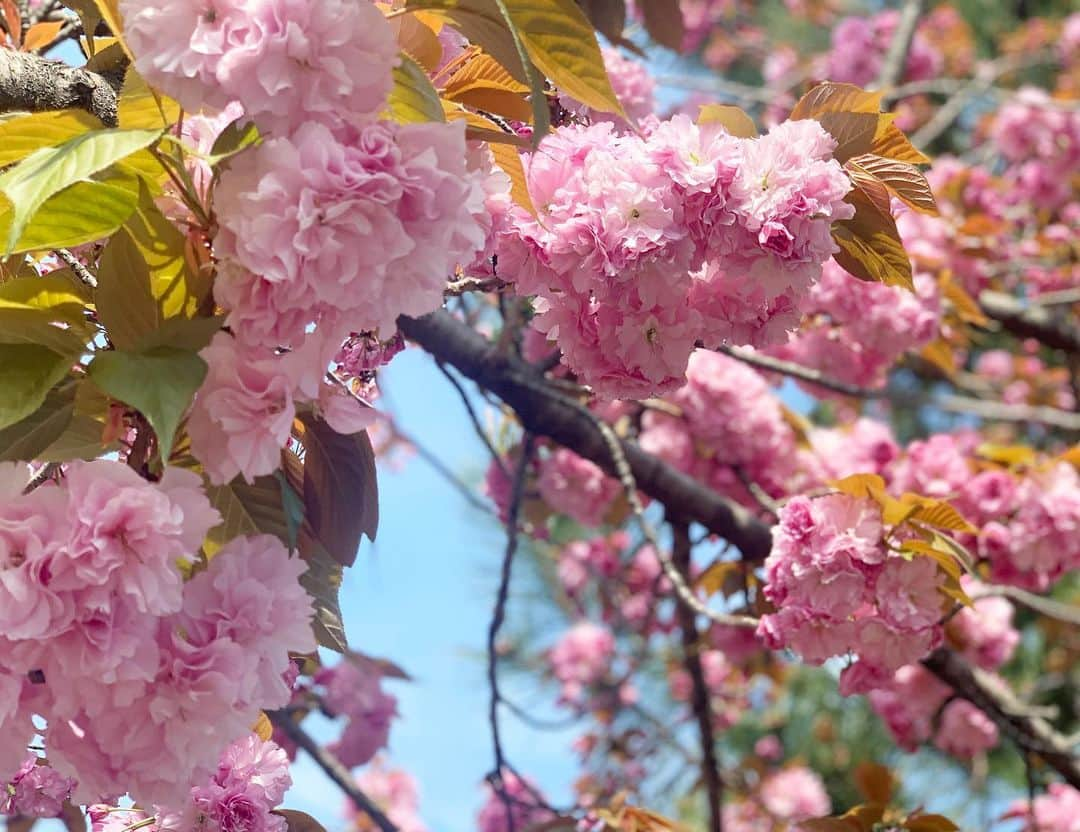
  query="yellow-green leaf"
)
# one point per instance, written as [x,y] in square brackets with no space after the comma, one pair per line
[22,135]
[863,486]
[141,107]
[51,170]
[563,45]
[733,119]
[255,508]
[27,373]
[870,246]
[509,160]
[125,304]
[1011,455]
[49,310]
[413,98]
[159,383]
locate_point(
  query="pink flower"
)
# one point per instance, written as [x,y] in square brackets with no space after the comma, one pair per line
[1057,809]
[259,767]
[353,690]
[984,633]
[395,791]
[965,730]
[576,487]
[36,791]
[519,812]
[581,658]
[243,413]
[795,793]
[286,61]
[368,225]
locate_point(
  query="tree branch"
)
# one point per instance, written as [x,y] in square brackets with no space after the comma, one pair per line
[800,372]
[544,412]
[892,69]
[34,84]
[1034,321]
[1030,733]
[699,693]
[333,767]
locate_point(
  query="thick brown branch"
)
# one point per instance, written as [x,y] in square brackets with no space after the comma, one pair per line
[993,698]
[699,693]
[1033,321]
[547,413]
[32,83]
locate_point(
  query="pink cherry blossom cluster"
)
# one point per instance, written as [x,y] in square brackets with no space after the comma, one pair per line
[140,676]
[729,419]
[394,791]
[251,780]
[576,487]
[865,446]
[352,688]
[337,222]
[783,798]
[859,47]
[1025,377]
[854,330]
[1058,808]
[36,791]
[917,708]
[520,811]
[1041,143]
[645,245]
[838,589]
[581,659]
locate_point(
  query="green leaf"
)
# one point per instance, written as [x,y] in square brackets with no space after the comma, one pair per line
[537,96]
[186,333]
[21,136]
[562,44]
[340,488]
[413,98]
[247,508]
[27,373]
[48,310]
[159,383]
[125,303]
[179,290]
[50,170]
[238,135]
[82,213]
[322,580]
[139,107]
[28,437]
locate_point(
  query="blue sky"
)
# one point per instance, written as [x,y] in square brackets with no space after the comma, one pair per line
[422,597]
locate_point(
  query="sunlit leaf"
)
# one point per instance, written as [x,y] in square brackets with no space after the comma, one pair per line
[41,34]
[417,38]
[832,97]
[413,98]
[891,143]
[875,782]
[903,179]
[484,84]
[929,823]
[49,310]
[299,821]
[870,246]
[140,107]
[30,436]
[47,172]
[22,135]
[853,132]
[262,728]
[733,119]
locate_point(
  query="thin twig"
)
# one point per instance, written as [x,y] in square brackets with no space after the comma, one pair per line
[473,284]
[682,589]
[798,371]
[333,768]
[443,470]
[497,619]
[699,692]
[473,418]
[1066,613]
[77,268]
[892,68]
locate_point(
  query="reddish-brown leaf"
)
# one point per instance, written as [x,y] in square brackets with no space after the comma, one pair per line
[903,179]
[663,22]
[831,97]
